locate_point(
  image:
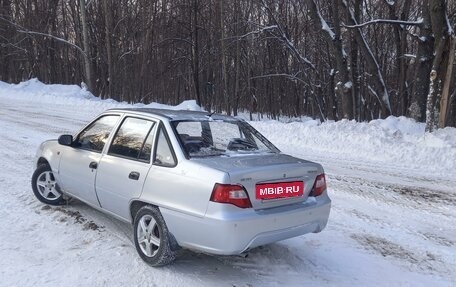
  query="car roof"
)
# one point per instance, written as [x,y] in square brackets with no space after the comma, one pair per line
[178,115]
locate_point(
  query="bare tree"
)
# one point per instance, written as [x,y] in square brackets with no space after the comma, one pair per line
[86,55]
[333,38]
[108,35]
[441,66]
[379,90]
[423,65]
[329,59]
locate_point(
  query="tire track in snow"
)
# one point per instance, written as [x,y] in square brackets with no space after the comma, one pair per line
[380,204]
[426,262]
[432,200]
[46,126]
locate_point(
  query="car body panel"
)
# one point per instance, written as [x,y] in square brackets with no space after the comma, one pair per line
[114,188]
[249,170]
[75,175]
[227,230]
[189,192]
[49,151]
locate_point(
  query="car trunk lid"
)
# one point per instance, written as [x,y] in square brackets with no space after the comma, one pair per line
[271,180]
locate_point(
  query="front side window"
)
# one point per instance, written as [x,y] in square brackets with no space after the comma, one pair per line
[218,137]
[131,140]
[94,137]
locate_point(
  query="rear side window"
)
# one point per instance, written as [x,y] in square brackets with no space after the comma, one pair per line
[131,140]
[164,155]
[94,137]
[189,129]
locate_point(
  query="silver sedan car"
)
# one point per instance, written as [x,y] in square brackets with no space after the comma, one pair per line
[187,179]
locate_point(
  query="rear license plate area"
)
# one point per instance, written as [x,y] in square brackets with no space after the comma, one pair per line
[279,190]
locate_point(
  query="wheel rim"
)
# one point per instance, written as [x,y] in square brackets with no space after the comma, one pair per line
[46,186]
[148,235]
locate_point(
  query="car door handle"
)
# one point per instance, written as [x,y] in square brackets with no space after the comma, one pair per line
[93,165]
[134,175]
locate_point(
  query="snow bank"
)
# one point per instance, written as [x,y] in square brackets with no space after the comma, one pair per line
[74,94]
[395,142]
[189,105]
[36,88]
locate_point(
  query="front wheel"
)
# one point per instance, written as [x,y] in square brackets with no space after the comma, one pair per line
[45,187]
[152,238]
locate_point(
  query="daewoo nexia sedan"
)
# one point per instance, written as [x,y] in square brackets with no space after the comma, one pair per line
[187,179]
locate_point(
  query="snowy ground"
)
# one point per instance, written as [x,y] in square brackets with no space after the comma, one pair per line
[392,221]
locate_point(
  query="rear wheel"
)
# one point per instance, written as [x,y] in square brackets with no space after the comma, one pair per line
[45,187]
[152,238]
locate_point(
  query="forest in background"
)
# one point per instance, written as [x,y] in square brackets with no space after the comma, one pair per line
[329,59]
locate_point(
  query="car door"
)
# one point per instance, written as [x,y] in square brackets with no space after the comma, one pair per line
[79,162]
[122,171]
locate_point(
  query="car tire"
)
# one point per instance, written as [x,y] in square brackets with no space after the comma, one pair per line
[152,238]
[45,187]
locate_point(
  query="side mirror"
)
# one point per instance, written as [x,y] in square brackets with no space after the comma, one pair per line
[66,140]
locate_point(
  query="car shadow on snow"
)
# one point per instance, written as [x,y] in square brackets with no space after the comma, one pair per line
[259,267]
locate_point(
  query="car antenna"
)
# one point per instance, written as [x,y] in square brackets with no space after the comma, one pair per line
[210,115]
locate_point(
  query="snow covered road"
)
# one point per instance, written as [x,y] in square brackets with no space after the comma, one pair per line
[392,221]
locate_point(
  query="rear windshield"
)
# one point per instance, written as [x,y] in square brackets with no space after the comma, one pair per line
[214,138]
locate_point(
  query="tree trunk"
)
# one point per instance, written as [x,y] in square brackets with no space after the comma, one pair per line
[452,119]
[237,60]
[440,64]
[423,66]
[379,90]
[400,37]
[108,25]
[332,38]
[354,65]
[446,85]
[195,53]
[5,57]
[224,79]
[344,85]
[85,43]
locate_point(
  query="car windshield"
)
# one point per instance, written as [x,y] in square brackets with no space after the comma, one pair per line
[218,137]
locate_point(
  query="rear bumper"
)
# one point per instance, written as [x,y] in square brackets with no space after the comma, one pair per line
[228,230]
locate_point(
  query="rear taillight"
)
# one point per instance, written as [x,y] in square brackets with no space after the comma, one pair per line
[231,193]
[319,185]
